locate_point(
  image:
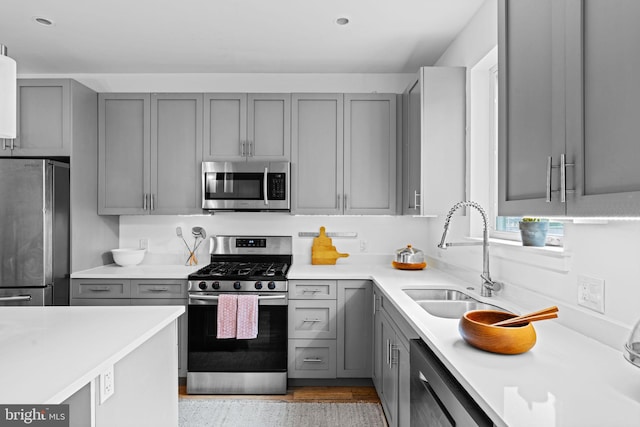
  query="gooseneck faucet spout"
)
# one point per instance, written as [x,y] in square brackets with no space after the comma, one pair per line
[488,285]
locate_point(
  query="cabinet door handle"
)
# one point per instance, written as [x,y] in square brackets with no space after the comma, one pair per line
[152,202]
[311,320]
[312,360]
[563,178]
[144,201]
[250,150]
[549,167]
[345,201]
[415,199]
[388,352]
[13,144]
[338,198]
[394,355]
[4,144]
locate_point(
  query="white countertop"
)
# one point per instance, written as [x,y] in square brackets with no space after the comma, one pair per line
[49,353]
[566,380]
[142,271]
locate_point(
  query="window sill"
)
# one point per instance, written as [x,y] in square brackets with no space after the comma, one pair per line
[552,258]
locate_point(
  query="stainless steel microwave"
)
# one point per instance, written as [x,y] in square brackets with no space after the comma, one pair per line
[246,186]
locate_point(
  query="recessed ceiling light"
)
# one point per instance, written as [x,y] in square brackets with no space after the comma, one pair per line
[43,21]
[342,21]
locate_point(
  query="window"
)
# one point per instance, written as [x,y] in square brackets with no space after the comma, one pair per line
[506,227]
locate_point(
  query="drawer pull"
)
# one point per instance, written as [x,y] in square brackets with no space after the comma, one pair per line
[312,360]
[100,289]
[310,291]
[312,320]
[158,289]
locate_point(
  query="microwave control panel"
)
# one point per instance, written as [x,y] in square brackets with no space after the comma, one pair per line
[277,186]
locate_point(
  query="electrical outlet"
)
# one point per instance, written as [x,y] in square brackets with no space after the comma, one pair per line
[107,384]
[144,243]
[363,246]
[591,293]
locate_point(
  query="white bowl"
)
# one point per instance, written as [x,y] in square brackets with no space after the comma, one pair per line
[127,256]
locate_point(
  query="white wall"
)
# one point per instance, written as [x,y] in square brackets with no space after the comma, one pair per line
[604,251]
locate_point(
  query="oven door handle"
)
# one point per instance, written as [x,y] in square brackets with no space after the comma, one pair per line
[215,297]
[16,298]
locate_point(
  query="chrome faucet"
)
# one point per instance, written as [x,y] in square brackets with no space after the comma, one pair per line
[488,286]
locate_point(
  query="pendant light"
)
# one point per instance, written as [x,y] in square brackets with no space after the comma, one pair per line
[7,95]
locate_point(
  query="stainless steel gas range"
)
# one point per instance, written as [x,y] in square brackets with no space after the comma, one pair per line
[241,265]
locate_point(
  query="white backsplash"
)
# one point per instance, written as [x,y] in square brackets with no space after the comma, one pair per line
[380,236]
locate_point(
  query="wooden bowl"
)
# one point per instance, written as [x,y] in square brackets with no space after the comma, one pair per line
[476,329]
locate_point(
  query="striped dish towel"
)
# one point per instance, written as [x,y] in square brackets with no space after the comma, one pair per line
[227,316]
[247,317]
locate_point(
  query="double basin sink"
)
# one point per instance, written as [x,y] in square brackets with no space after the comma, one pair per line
[447,303]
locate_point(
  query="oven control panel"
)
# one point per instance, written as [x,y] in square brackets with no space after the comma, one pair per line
[238,285]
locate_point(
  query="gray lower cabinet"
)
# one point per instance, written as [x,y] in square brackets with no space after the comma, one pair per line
[118,292]
[343,153]
[568,108]
[240,126]
[150,153]
[391,371]
[330,324]
[43,119]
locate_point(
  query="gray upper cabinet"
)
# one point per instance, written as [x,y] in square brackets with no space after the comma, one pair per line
[531,104]
[124,149]
[344,153]
[44,119]
[150,151]
[176,153]
[370,154]
[568,103]
[433,141]
[316,153]
[603,106]
[240,126]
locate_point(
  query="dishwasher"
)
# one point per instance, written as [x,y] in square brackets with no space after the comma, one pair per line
[437,398]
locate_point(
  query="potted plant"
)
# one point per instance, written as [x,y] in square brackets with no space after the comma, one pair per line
[534,231]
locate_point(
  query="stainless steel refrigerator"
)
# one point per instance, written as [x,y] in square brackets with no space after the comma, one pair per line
[34,232]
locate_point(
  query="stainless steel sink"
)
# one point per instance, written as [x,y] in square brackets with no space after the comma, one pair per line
[447,303]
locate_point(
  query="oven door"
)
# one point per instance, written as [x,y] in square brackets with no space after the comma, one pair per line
[266,353]
[245,185]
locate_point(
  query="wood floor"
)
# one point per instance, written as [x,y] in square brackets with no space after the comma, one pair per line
[301,394]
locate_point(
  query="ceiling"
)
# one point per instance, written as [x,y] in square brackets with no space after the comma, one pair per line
[230,36]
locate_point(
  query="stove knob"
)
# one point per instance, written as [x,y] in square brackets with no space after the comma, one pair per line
[271,285]
[258,285]
[236,285]
[216,285]
[202,285]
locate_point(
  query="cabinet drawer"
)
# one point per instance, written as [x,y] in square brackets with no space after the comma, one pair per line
[312,359]
[100,288]
[312,319]
[152,288]
[312,289]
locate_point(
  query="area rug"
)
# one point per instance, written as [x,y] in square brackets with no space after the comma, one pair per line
[267,413]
